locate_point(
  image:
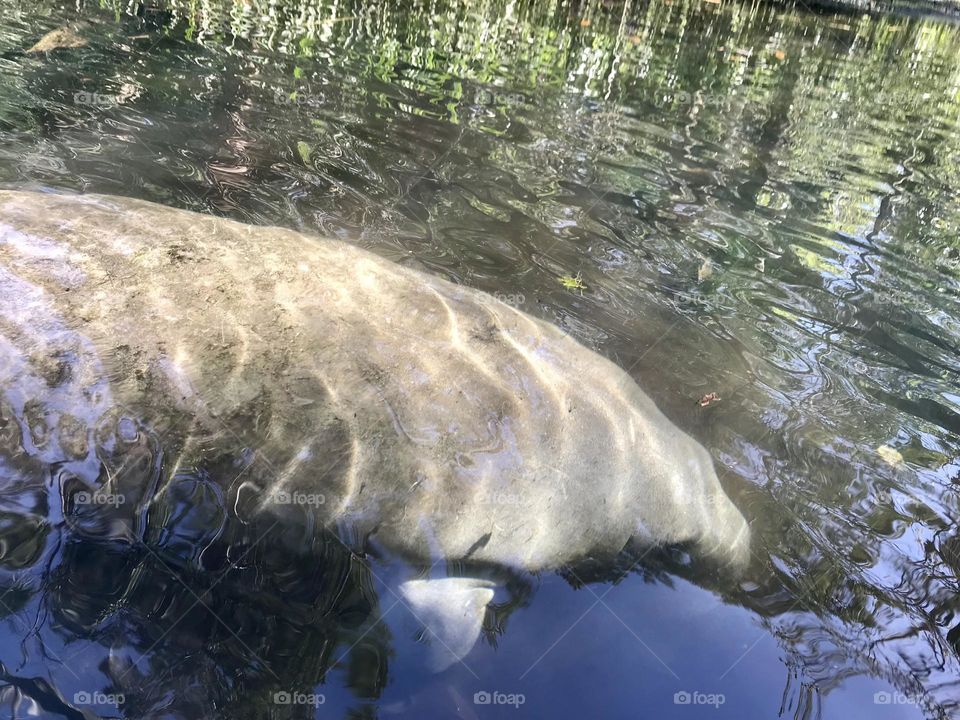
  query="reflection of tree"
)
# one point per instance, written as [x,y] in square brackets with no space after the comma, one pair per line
[756,86]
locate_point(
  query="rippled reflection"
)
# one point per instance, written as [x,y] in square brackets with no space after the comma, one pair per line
[760,204]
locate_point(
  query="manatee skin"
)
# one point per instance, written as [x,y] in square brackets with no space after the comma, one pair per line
[434,419]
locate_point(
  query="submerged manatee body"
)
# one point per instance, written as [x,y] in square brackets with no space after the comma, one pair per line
[424,416]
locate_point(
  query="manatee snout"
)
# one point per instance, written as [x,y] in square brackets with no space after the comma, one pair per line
[683,503]
[724,534]
[727,540]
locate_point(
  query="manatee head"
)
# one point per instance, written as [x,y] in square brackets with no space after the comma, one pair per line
[682,501]
[725,533]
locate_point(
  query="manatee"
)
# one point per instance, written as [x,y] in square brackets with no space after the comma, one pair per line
[424,417]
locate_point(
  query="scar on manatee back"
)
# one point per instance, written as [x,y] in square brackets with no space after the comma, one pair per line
[54,368]
[485,331]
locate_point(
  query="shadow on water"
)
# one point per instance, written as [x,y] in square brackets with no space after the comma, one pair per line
[191,606]
[759,203]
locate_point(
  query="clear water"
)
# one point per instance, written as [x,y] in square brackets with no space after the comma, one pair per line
[760,204]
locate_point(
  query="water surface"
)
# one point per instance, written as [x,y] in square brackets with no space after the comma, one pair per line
[758,203]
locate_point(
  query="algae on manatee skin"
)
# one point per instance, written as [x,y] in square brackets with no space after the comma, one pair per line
[55,39]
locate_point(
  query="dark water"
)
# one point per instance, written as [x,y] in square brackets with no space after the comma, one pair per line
[760,204]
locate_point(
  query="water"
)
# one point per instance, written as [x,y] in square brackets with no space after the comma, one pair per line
[759,203]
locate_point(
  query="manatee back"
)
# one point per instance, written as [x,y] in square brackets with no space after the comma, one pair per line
[426,415]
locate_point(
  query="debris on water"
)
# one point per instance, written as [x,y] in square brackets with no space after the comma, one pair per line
[304,151]
[56,39]
[709,399]
[890,455]
[573,282]
[705,271]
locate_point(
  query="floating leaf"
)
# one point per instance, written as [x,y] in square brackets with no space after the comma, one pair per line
[705,271]
[304,151]
[709,399]
[585,22]
[573,282]
[890,455]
